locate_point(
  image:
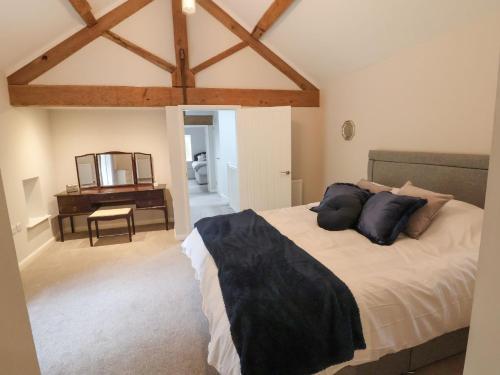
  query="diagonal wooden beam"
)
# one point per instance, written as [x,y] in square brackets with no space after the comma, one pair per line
[132,47]
[213,60]
[260,48]
[83,8]
[126,96]
[75,42]
[182,77]
[275,10]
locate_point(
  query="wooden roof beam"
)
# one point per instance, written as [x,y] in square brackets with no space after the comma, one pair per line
[182,77]
[126,96]
[275,10]
[255,44]
[219,57]
[93,96]
[83,8]
[152,58]
[74,43]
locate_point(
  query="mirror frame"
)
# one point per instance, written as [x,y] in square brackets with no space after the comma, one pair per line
[98,181]
[116,153]
[152,170]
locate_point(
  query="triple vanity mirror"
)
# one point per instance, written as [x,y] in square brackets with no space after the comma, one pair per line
[111,169]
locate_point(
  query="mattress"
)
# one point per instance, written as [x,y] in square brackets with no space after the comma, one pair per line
[407,293]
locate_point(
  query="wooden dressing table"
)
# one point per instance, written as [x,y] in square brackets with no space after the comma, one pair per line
[85,202]
[111,179]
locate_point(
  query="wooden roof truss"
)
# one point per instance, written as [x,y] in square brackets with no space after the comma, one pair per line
[183,90]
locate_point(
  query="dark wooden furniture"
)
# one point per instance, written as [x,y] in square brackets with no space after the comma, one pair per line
[108,215]
[85,202]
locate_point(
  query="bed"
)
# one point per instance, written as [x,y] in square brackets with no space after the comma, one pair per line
[200,168]
[416,313]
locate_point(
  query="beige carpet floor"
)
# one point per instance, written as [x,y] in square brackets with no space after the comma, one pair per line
[117,308]
[124,308]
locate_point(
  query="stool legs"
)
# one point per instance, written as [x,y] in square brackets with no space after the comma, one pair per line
[97,227]
[129,229]
[89,225]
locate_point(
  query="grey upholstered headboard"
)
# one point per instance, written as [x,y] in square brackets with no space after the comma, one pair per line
[462,175]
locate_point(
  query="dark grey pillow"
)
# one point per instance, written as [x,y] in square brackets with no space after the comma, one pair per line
[339,189]
[340,213]
[385,216]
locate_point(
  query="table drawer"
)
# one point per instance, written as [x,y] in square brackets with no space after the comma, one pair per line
[114,197]
[71,205]
[145,203]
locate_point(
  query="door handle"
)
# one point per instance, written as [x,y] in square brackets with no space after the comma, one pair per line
[285,172]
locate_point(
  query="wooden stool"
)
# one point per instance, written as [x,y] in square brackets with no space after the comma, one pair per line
[107,214]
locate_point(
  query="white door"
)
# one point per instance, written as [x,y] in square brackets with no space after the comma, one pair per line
[265,157]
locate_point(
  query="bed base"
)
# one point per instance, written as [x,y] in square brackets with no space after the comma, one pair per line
[410,360]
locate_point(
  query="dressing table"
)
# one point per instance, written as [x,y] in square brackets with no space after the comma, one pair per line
[112,179]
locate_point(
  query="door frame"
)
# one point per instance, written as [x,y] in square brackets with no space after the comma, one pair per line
[178,169]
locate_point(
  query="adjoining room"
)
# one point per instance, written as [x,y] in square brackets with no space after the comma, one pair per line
[211,162]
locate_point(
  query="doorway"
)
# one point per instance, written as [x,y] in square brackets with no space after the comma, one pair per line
[211,162]
[247,161]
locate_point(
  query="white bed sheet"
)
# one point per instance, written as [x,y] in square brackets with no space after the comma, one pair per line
[407,293]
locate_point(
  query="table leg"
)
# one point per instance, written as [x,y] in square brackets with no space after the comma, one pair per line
[89,225]
[165,212]
[133,223]
[129,229]
[72,224]
[61,229]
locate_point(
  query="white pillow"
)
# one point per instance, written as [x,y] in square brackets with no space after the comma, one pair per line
[457,224]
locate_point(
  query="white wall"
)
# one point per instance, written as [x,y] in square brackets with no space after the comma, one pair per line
[197,139]
[484,337]
[437,96]
[26,152]
[17,350]
[82,131]
[308,158]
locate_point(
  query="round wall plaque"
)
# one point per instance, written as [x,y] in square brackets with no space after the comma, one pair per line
[348,130]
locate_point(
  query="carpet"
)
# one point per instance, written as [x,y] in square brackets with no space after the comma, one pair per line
[117,308]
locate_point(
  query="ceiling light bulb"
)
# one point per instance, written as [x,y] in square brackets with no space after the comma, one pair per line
[189,6]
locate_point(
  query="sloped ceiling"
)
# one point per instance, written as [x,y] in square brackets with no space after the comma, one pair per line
[321,38]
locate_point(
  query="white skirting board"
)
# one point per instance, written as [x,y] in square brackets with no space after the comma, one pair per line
[26,261]
[297,197]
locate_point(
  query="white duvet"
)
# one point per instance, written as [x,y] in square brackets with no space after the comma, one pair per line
[407,293]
